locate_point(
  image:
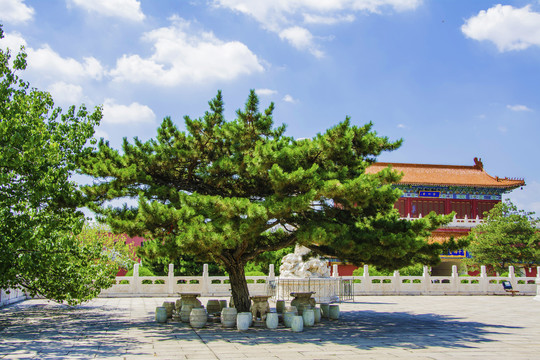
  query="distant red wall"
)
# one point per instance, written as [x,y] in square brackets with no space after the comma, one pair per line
[136,241]
[530,271]
[345,270]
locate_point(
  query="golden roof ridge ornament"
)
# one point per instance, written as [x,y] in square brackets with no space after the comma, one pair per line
[478,163]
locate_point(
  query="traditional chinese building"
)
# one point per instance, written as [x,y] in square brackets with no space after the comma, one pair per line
[469,191]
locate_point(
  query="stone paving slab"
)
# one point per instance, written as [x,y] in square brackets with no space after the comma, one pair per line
[372,327]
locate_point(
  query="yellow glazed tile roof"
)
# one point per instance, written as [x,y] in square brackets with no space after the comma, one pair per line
[447,175]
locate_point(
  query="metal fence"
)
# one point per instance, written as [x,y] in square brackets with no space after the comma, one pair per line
[346,289]
[326,290]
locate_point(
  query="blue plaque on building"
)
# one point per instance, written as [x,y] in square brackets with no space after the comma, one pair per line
[430,194]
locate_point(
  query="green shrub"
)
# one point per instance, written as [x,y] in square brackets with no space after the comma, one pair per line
[142,272]
[373,271]
[255,273]
[414,270]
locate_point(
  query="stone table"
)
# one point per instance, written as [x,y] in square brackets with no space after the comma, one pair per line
[260,306]
[301,300]
[191,299]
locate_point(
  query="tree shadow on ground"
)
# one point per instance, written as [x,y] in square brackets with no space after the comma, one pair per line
[56,331]
[368,329]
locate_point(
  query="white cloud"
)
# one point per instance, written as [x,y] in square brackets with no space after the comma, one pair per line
[279,15]
[401,126]
[288,98]
[301,39]
[502,129]
[265,92]
[127,9]
[327,20]
[518,107]
[185,56]
[527,198]
[15,11]
[507,27]
[66,93]
[51,65]
[98,133]
[114,113]
[272,14]
[12,41]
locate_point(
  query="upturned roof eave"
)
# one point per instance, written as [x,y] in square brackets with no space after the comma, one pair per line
[475,176]
[495,186]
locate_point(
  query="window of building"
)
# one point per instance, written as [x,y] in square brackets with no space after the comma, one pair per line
[461,208]
[401,205]
[425,206]
[484,206]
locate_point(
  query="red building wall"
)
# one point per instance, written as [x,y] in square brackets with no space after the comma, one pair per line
[419,206]
[136,241]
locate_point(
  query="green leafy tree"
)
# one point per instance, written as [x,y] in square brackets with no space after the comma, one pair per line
[107,252]
[509,236]
[262,261]
[40,250]
[184,265]
[228,191]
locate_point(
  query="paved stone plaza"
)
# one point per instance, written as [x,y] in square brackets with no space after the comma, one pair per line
[419,327]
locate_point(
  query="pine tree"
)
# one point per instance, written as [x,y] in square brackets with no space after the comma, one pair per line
[228,191]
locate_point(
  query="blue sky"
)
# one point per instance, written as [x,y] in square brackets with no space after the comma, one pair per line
[454,79]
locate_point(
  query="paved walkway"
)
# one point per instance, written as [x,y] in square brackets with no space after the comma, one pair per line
[419,327]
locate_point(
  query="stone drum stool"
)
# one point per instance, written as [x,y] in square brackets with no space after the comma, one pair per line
[272,320]
[333,313]
[303,299]
[198,318]
[161,314]
[228,317]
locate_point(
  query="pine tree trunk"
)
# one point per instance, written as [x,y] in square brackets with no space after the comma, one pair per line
[240,292]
